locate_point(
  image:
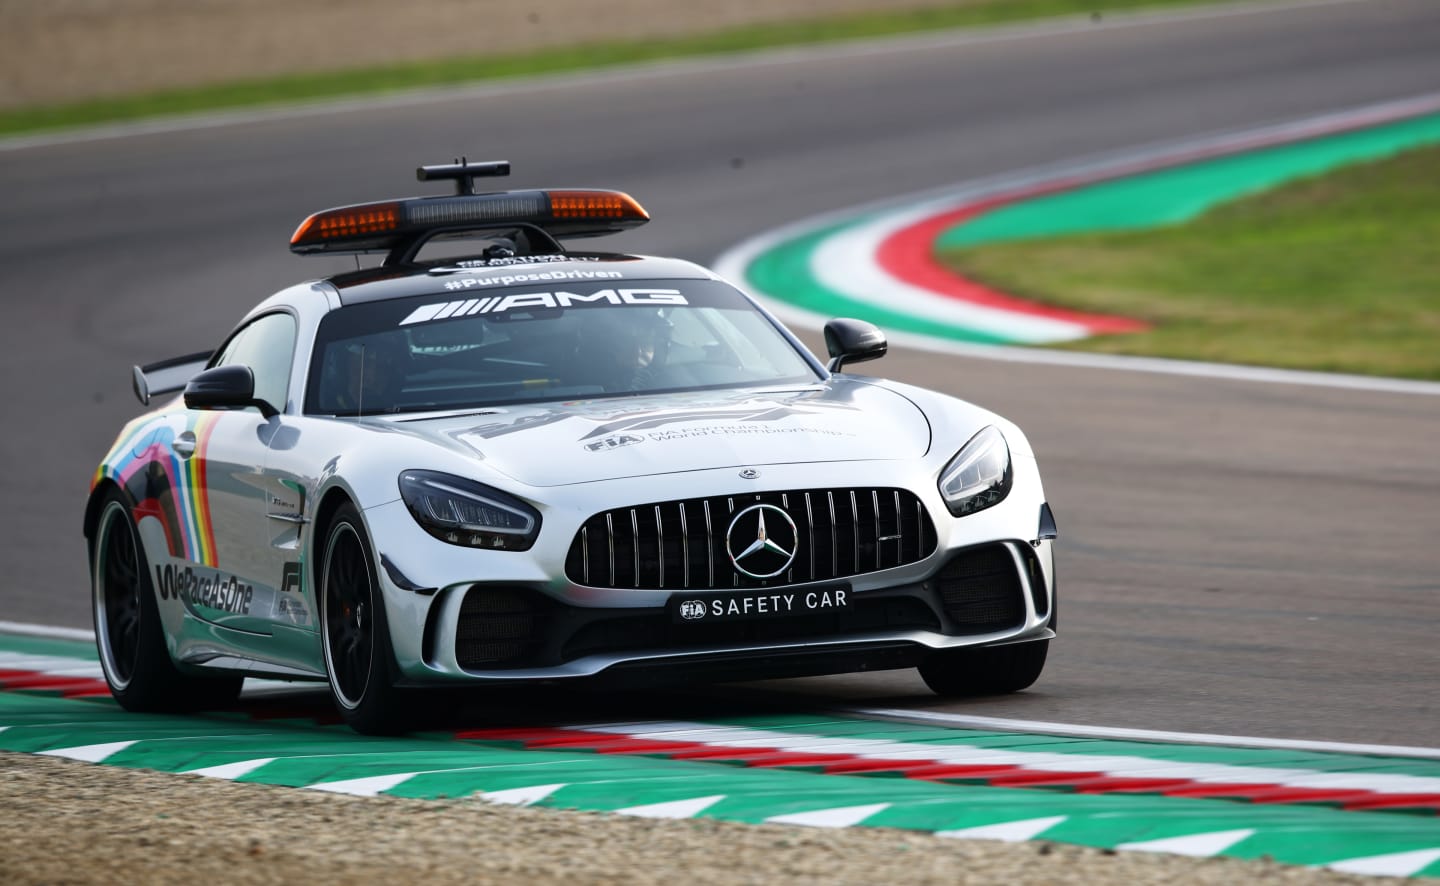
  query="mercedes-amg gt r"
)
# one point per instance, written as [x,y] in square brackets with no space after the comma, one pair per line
[533,464]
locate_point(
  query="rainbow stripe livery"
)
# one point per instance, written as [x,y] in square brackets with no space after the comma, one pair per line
[164,485]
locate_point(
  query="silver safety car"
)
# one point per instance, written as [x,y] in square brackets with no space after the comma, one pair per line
[535,464]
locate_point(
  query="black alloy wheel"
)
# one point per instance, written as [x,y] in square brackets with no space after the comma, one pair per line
[358,658]
[349,608]
[129,634]
[117,596]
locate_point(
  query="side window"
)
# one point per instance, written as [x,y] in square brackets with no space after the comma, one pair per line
[267,346]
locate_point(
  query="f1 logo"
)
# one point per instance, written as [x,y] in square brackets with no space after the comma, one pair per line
[290,578]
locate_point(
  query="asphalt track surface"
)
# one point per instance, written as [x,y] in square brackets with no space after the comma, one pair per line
[1235,557]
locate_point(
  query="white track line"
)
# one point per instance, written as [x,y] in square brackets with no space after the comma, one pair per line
[1105,761]
[956,37]
[966,721]
[838,817]
[1165,366]
[1007,831]
[526,796]
[673,808]
[1196,845]
[32,630]
[90,753]
[1394,864]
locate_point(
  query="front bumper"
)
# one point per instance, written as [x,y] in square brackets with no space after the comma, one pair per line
[516,618]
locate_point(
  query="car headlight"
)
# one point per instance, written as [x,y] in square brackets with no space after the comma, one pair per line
[463,512]
[979,475]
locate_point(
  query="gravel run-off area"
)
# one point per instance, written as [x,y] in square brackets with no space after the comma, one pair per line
[70,822]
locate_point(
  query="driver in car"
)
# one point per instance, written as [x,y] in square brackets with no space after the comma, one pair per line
[361,374]
[629,352]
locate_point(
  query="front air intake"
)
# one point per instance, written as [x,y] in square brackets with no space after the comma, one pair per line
[980,590]
[497,626]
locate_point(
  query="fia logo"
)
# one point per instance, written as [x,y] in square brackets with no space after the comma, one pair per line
[691,610]
[613,442]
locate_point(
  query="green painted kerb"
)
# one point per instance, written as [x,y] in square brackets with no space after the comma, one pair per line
[298,753]
[942,737]
[304,755]
[1179,194]
[24,645]
[783,272]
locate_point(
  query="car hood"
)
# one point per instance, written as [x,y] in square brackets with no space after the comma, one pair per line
[554,444]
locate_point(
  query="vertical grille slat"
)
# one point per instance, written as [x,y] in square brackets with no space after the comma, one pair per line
[834,545]
[709,546]
[660,544]
[875,524]
[899,530]
[790,573]
[855,532]
[635,543]
[610,532]
[730,515]
[685,546]
[810,533]
[834,541]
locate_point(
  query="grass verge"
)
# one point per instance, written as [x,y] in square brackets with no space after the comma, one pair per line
[1338,273]
[453,71]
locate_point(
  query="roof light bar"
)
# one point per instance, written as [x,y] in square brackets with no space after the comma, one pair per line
[349,222]
[400,227]
[591,204]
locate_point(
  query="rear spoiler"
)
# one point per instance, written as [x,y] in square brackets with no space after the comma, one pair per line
[167,376]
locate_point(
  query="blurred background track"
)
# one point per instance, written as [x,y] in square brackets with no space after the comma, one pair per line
[1234,557]
[64,50]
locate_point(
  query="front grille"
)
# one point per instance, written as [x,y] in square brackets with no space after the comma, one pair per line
[980,590]
[656,630]
[682,544]
[497,625]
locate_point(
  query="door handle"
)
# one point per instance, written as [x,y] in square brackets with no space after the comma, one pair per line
[184,445]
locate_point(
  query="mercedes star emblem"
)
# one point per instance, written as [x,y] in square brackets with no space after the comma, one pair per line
[757,550]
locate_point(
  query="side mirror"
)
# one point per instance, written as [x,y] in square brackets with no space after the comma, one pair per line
[853,341]
[226,387]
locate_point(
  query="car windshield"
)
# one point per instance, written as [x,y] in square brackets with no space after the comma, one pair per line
[509,346]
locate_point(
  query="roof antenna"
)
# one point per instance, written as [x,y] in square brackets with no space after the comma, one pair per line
[464,173]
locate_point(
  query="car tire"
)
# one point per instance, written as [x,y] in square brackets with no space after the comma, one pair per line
[989,670]
[359,661]
[129,635]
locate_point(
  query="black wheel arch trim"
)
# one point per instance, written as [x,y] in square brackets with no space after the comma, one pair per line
[95,503]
